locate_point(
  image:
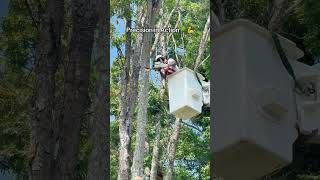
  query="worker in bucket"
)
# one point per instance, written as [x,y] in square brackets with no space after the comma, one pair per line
[165,66]
[170,68]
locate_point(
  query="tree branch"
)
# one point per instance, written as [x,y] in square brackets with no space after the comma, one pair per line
[203,43]
[161,24]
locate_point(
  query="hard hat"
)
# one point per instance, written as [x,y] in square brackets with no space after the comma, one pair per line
[158,57]
[171,61]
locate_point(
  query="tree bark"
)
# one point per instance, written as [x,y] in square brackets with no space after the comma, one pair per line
[155,153]
[203,43]
[129,86]
[156,148]
[139,153]
[76,73]
[163,44]
[48,56]
[99,156]
[172,147]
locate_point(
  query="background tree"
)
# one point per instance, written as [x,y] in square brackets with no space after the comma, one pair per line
[42,44]
[99,156]
[152,8]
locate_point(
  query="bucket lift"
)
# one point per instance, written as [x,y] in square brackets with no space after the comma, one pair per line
[188,92]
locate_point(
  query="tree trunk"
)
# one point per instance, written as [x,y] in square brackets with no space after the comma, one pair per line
[138,158]
[129,86]
[172,147]
[99,156]
[163,44]
[76,73]
[203,43]
[43,127]
[155,153]
[156,148]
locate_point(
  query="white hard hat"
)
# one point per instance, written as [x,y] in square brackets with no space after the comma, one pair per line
[171,61]
[159,56]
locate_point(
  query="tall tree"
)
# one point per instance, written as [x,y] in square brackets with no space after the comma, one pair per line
[156,147]
[129,92]
[172,147]
[99,156]
[139,152]
[48,56]
[76,83]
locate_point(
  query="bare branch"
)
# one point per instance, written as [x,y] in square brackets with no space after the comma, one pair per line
[163,24]
[175,50]
[203,43]
[177,23]
[204,60]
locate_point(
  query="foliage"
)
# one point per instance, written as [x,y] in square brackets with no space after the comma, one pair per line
[14,125]
[17,46]
[193,148]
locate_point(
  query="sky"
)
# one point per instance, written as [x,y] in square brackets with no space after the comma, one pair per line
[4,7]
[120,30]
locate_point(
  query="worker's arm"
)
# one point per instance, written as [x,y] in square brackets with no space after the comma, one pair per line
[159,65]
